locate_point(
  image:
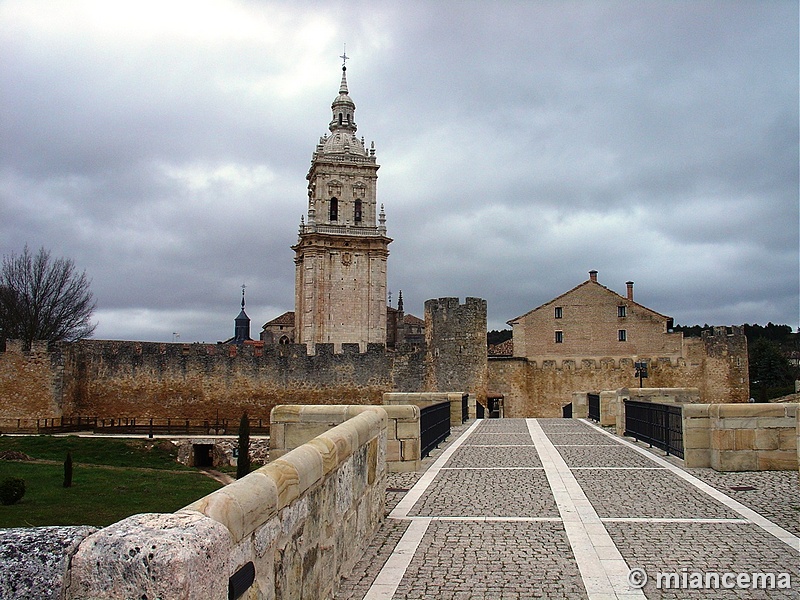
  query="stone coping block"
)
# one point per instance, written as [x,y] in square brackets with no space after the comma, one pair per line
[724,411]
[248,503]
[294,425]
[35,560]
[166,556]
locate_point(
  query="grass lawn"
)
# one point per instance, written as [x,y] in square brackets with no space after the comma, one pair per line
[116,452]
[130,477]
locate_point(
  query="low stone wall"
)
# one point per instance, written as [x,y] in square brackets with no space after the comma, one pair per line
[741,437]
[223,450]
[292,426]
[423,399]
[295,525]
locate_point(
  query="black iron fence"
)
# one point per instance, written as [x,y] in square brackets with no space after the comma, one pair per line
[594,407]
[132,426]
[434,426]
[464,408]
[659,425]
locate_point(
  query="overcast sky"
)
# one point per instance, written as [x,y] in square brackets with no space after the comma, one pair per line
[163,145]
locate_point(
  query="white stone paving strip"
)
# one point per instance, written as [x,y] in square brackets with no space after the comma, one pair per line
[385,584]
[390,576]
[602,567]
[415,493]
[779,532]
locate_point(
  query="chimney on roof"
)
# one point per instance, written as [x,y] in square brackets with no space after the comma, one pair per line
[630,290]
[593,275]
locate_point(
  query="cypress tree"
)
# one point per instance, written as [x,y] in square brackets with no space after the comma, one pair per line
[68,470]
[243,464]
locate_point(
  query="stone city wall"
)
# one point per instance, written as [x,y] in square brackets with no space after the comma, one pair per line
[293,426]
[30,381]
[128,379]
[715,364]
[296,525]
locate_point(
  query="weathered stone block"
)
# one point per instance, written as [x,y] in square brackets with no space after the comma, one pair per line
[327,450]
[297,434]
[241,506]
[750,410]
[35,560]
[739,460]
[735,423]
[696,438]
[409,449]
[276,438]
[307,461]
[408,430]
[393,450]
[175,556]
[777,460]
[775,422]
[787,438]
[723,439]
[697,457]
[767,439]
[744,439]
[286,480]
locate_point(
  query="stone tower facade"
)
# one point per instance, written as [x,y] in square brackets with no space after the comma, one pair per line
[341,253]
[455,341]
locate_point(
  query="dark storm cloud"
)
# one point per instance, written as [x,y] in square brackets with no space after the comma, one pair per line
[164,147]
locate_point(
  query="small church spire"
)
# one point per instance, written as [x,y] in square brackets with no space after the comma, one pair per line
[241,330]
[343,85]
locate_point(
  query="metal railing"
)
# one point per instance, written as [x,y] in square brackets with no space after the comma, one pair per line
[594,407]
[464,408]
[434,426]
[659,425]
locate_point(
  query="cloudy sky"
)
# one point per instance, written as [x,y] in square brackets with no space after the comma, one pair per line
[163,145]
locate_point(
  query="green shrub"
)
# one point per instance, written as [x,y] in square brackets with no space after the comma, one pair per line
[11,491]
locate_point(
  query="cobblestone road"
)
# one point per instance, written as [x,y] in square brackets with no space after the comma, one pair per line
[557,508]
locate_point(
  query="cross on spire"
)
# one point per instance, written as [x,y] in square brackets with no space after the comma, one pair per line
[344,57]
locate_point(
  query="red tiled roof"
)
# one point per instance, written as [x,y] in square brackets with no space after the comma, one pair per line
[286,318]
[412,320]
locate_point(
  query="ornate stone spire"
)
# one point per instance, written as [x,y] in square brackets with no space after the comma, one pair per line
[343,108]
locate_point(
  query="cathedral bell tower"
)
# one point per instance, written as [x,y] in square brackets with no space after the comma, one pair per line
[341,251]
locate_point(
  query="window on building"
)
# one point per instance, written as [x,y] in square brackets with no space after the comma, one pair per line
[559,312]
[340,118]
[357,212]
[622,335]
[559,337]
[622,311]
[334,212]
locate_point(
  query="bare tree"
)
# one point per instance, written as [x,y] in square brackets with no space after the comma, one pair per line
[42,298]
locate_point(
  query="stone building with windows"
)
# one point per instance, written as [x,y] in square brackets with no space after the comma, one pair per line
[279,330]
[589,338]
[591,320]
